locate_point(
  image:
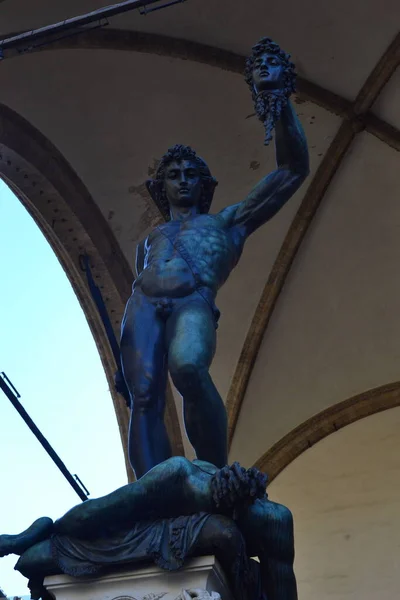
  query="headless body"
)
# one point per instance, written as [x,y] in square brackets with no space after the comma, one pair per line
[176,487]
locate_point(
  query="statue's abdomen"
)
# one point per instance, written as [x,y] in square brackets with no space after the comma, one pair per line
[167,277]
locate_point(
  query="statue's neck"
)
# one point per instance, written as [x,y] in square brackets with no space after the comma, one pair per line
[183,214]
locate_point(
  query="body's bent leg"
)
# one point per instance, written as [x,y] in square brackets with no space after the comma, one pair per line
[40,530]
[143,357]
[268,531]
[191,340]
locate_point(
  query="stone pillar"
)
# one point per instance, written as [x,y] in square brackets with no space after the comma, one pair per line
[149,583]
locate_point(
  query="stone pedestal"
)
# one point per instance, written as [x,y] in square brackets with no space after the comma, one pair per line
[150,583]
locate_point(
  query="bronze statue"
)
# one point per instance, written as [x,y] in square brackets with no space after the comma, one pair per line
[179,508]
[171,318]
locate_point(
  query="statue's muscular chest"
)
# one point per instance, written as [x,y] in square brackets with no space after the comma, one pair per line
[200,251]
[204,237]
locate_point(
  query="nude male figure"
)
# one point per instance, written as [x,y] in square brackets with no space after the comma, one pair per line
[171,318]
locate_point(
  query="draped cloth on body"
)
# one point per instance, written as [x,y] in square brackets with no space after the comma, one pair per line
[167,542]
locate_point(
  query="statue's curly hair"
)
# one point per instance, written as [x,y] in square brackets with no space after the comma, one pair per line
[269,104]
[156,186]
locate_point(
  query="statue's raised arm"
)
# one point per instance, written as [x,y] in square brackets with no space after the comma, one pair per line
[271,78]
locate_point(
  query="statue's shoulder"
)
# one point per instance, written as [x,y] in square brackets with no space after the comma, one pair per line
[227,215]
[205,466]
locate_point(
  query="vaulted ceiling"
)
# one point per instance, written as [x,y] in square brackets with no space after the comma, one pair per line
[309,339]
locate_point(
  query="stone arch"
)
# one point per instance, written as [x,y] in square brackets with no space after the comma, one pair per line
[330,420]
[72,223]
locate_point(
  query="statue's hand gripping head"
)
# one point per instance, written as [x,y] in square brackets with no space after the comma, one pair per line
[235,487]
[271,78]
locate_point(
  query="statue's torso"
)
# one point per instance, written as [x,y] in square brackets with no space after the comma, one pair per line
[183,255]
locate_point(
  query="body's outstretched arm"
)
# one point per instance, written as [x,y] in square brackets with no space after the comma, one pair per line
[274,190]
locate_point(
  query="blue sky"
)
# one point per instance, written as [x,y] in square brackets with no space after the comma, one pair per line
[49,354]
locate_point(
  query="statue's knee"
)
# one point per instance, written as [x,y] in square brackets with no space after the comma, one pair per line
[36,560]
[144,397]
[266,518]
[25,565]
[186,374]
[180,467]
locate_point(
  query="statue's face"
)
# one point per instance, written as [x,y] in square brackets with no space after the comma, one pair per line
[268,72]
[182,183]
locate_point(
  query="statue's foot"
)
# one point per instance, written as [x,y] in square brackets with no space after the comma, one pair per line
[17,544]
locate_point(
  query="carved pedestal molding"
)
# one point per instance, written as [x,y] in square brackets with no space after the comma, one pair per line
[204,575]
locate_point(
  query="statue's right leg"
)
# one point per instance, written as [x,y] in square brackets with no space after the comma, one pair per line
[143,357]
[191,339]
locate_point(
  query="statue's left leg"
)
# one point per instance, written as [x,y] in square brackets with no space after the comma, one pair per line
[268,531]
[38,561]
[191,342]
